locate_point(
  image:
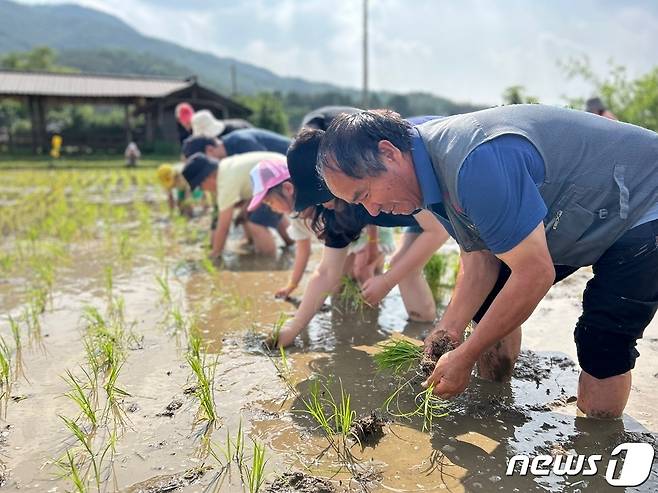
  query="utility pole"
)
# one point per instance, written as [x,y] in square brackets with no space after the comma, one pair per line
[234,81]
[365,98]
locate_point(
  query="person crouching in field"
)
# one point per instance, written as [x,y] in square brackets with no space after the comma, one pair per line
[230,184]
[297,188]
[179,195]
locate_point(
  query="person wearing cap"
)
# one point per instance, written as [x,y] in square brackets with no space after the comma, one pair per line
[184,113]
[596,106]
[321,118]
[206,126]
[230,183]
[366,254]
[338,224]
[205,123]
[178,191]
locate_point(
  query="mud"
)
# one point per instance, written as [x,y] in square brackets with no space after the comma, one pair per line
[368,430]
[438,348]
[297,482]
[168,483]
[171,408]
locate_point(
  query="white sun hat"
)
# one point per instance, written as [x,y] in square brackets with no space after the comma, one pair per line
[204,123]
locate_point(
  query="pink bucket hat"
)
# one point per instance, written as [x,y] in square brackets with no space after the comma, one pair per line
[264,177]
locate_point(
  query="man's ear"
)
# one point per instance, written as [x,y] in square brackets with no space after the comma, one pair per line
[388,150]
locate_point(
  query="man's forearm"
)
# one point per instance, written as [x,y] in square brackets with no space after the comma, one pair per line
[477,276]
[513,305]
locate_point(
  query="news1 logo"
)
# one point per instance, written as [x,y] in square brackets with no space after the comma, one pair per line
[634,470]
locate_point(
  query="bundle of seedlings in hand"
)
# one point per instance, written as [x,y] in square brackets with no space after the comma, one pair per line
[401,356]
[398,356]
[272,340]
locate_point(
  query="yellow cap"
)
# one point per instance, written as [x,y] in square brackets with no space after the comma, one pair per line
[166,175]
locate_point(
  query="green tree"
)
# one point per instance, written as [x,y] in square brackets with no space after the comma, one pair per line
[517,95]
[632,100]
[40,58]
[267,111]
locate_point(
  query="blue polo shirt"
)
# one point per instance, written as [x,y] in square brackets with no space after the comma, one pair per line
[255,139]
[497,188]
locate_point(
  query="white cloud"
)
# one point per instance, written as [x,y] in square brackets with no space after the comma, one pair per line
[468,50]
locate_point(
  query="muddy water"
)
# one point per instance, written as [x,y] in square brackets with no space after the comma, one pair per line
[467,450]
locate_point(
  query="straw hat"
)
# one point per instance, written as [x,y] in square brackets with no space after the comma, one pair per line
[204,123]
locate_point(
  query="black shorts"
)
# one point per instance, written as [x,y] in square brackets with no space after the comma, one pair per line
[618,303]
[264,216]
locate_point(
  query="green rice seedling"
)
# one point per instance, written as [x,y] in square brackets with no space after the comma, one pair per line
[427,405]
[434,270]
[316,409]
[430,407]
[126,249]
[398,356]
[15,328]
[6,262]
[114,395]
[84,441]
[256,473]
[350,295]
[6,377]
[180,323]
[232,453]
[284,361]
[108,272]
[71,470]
[276,329]
[79,395]
[38,299]
[194,343]
[163,282]
[441,272]
[343,413]
[79,485]
[95,461]
[208,265]
[205,386]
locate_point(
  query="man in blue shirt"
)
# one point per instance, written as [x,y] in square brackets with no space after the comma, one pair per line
[531,194]
[237,142]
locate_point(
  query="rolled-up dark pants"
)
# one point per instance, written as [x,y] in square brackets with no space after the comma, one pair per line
[618,303]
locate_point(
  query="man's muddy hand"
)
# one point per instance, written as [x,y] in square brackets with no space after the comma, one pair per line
[451,374]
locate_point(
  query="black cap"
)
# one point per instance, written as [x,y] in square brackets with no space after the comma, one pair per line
[310,188]
[197,143]
[198,168]
[594,105]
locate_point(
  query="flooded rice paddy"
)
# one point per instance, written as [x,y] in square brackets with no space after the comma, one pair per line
[129,363]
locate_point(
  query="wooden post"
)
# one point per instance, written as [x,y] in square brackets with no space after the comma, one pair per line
[43,137]
[129,133]
[34,125]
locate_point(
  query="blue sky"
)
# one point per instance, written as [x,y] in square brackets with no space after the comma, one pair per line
[466,50]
